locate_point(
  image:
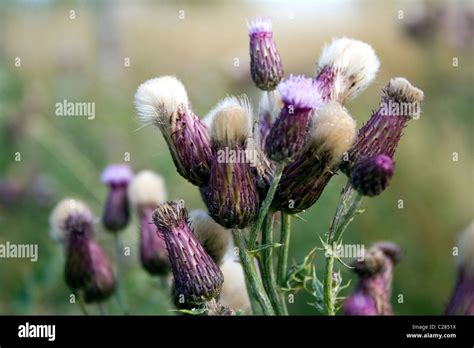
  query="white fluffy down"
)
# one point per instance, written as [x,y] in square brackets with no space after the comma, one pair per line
[402,90]
[231,120]
[156,100]
[61,212]
[354,61]
[234,291]
[147,189]
[333,130]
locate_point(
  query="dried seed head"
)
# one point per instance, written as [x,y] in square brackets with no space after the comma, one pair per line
[401,90]
[213,237]
[147,189]
[158,100]
[332,133]
[371,176]
[265,62]
[345,68]
[231,121]
[234,292]
[66,208]
[196,275]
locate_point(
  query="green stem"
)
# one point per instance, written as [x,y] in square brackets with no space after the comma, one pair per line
[268,274]
[254,282]
[265,207]
[119,293]
[82,305]
[283,255]
[101,307]
[346,209]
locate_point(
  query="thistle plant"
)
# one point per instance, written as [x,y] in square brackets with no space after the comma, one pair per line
[300,138]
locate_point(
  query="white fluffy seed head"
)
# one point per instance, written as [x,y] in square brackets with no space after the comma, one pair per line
[158,100]
[213,237]
[402,90]
[333,131]
[466,251]
[354,63]
[230,121]
[234,292]
[147,189]
[65,208]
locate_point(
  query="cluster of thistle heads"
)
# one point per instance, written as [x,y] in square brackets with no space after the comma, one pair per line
[302,125]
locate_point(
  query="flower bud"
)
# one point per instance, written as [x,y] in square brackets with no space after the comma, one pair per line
[371,177]
[214,238]
[265,63]
[382,132]
[287,136]
[116,211]
[375,269]
[345,68]
[146,191]
[87,270]
[462,298]
[331,134]
[164,102]
[231,195]
[196,275]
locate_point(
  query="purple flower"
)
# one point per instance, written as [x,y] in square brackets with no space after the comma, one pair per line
[462,297]
[265,63]
[375,270]
[287,136]
[196,275]
[371,176]
[116,211]
[87,269]
[382,132]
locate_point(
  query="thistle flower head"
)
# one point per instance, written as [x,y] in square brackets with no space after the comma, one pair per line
[265,62]
[213,237]
[372,294]
[332,133]
[287,136]
[382,132]
[158,100]
[371,176]
[196,275]
[164,102]
[116,175]
[146,190]
[345,68]
[231,121]
[66,213]
[116,210]
[462,297]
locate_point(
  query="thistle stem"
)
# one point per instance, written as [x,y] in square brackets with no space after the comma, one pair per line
[265,207]
[82,305]
[268,274]
[101,307]
[119,294]
[346,209]
[254,282]
[283,255]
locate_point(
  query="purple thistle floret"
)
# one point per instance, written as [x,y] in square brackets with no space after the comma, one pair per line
[87,269]
[196,276]
[372,294]
[116,212]
[371,176]
[153,254]
[288,134]
[265,62]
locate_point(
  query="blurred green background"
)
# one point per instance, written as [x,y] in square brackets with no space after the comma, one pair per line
[85,59]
